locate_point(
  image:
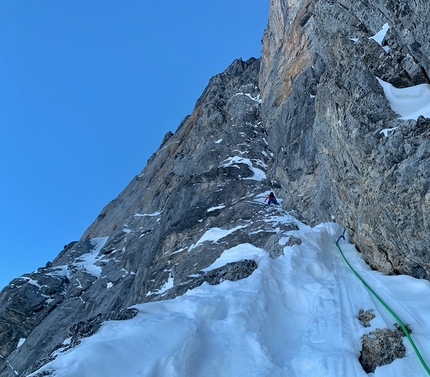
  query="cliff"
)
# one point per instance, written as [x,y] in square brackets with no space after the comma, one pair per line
[325,112]
[308,120]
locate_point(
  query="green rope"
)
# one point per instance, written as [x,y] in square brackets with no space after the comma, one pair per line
[399,321]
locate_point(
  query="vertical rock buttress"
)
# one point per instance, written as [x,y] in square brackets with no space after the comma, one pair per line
[324,111]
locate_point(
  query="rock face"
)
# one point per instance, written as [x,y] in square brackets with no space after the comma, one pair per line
[381,347]
[304,121]
[324,111]
[155,239]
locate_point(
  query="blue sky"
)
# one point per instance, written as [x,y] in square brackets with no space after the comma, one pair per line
[87,91]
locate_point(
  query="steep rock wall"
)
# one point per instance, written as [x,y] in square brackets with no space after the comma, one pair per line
[153,241]
[324,111]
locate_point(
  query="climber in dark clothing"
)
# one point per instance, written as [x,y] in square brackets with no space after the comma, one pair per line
[272,199]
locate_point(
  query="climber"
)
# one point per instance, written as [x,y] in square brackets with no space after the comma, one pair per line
[272,199]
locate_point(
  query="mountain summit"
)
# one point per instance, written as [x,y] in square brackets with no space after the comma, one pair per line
[334,119]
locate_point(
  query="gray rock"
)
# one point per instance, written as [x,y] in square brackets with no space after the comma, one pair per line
[381,347]
[231,271]
[365,317]
[324,112]
[204,176]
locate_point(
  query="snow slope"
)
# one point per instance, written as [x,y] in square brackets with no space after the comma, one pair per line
[294,316]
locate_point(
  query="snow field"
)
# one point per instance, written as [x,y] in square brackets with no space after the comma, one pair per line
[295,316]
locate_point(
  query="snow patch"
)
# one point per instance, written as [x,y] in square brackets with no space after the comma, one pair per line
[87,261]
[155,214]
[215,234]
[380,35]
[238,253]
[256,99]
[166,286]
[59,271]
[215,208]
[410,102]
[259,175]
[385,131]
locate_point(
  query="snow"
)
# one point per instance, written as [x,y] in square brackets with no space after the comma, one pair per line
[20,342]
[59,271]
[386,131]
[221,206]
[410,102]
[295,316]
[166,286]
[380,35]
[155,214]
[256,99]
[215,234]
[87,261]
[259,175]
[34,282]
[237,253]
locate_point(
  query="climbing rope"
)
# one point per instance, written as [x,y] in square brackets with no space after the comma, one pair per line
[398,320]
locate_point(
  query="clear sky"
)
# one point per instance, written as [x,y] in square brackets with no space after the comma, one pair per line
[87,91]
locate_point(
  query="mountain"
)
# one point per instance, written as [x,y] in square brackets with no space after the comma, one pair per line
[315,120]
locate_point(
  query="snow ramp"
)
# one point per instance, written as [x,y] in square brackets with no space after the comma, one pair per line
[295,316]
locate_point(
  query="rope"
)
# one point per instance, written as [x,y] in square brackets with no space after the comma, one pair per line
[399,321]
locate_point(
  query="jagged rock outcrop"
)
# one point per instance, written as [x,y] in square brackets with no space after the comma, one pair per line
[324,111]
[381,347]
